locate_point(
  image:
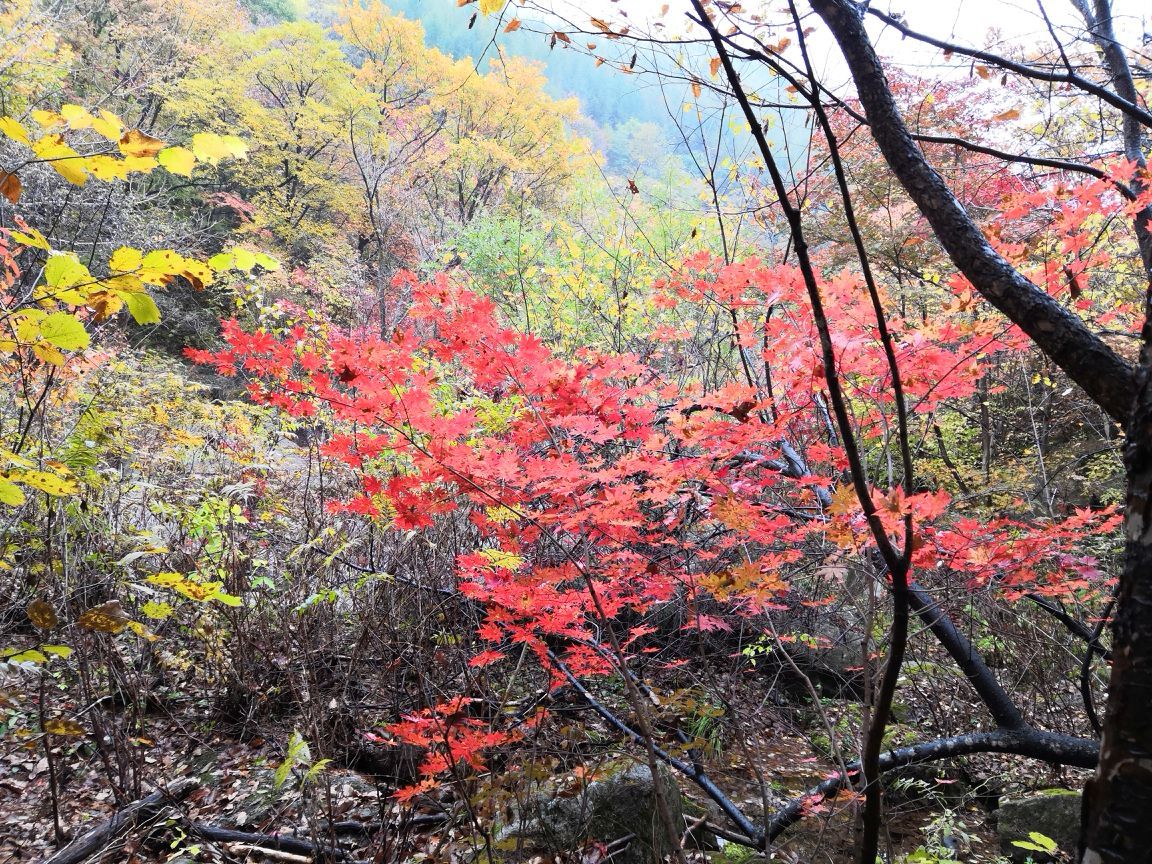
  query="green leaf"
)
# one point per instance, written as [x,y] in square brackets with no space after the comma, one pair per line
[227,599]
[267,261]
[32,656]
[298,754]
[1040,843]
[315,770]
[142,308]
[61,651]
[65,271]
[221,261]
[65,331]
[242,259]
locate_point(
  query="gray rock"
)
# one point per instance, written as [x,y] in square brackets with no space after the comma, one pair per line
[609,808]
[1054,813]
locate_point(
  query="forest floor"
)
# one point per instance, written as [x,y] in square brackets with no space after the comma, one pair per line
[235,789]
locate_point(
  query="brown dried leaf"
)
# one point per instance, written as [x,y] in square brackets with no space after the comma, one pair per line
[140,144]
[108,617]
[10,186]
[41,613]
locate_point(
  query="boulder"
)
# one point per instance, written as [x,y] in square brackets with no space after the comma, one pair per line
[619,803]
[1055,813]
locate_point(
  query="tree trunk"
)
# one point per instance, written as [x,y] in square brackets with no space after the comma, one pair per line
[1118,800]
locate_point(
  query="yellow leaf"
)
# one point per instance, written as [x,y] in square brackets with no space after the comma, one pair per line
[199,591]
[125,283]
[209,147]
[844,502]
[16,459]
[14,130]
[31,238]
[48,119]
[76,116]
[237,147]
[177,160]
[105,167]
[30,656]
[198,273]
[64,160]
[490,7]
[105,304]
[142,631]
[28,325]
[165,261]
[501,559]
[63,726]
[125,260]
[50,354]
[108,617]
[41,613]
[47,481]
[157,611]
[166,580]
[108,125]
[142,164]
[139,144]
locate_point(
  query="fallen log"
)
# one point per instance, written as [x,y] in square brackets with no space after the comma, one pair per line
[277,842]
[123,821]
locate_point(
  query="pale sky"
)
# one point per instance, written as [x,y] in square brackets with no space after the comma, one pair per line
[964,20]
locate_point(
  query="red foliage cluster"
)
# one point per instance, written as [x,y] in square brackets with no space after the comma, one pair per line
[599,487]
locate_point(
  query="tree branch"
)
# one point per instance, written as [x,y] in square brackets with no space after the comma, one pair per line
[1106,377]
[1060,749]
